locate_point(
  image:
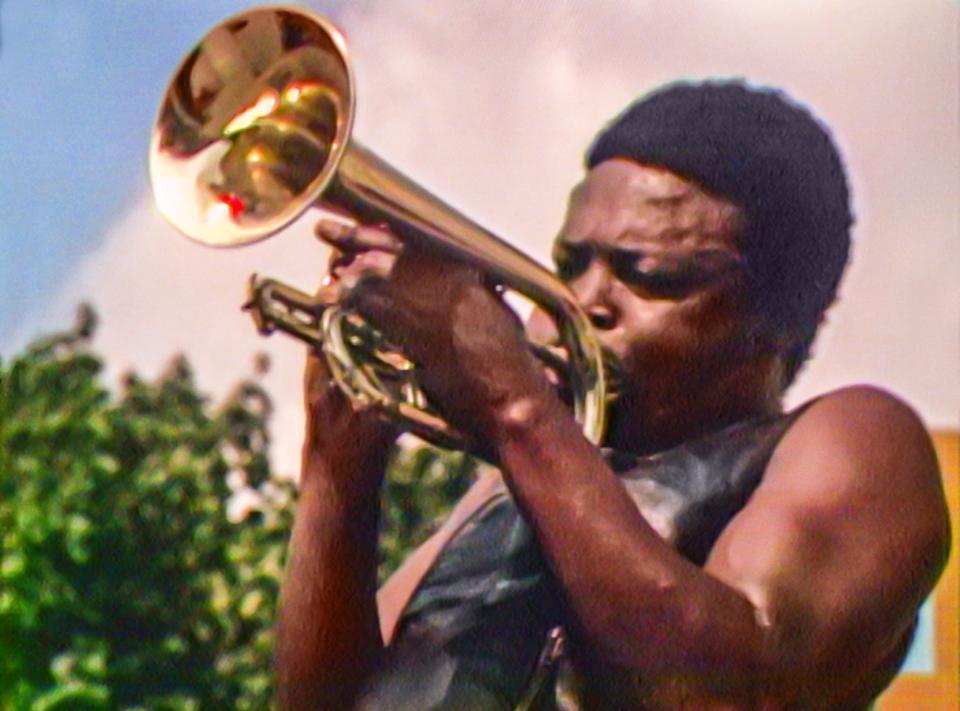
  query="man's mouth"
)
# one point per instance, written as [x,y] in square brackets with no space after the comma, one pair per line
[555,362]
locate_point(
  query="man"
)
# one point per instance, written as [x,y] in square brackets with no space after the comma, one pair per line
[719,553]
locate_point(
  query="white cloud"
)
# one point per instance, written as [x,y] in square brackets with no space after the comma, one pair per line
[159,294]
[492,104]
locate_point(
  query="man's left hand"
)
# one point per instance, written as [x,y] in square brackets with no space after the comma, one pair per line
[469,348]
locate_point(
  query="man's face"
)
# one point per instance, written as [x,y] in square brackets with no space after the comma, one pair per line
[655,263]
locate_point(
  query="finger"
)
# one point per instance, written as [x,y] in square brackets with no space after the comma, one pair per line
[371,298]
[347,235]
[421,271]
[332,223]
[329,292]
[338,259]
[374,262]
[346,270]
[376,236]
[374,299]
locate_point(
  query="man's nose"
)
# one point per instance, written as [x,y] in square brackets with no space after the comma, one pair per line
[592,290]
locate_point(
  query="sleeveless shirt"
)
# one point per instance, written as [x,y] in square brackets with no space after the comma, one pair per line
[472,637]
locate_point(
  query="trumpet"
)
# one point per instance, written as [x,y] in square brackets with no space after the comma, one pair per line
[254,128]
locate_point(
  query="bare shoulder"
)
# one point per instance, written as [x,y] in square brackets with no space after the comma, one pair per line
[859,439]
[860,460]
[844,537]
[865,412]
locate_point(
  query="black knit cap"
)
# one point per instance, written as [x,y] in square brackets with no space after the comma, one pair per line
[775,161]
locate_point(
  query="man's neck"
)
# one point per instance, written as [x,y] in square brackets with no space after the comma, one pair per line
[656,419]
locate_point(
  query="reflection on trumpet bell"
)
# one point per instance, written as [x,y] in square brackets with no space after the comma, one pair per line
[254,116]
[270,161]
[254,128]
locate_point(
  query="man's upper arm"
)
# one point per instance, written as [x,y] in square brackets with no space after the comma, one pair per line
[842,540]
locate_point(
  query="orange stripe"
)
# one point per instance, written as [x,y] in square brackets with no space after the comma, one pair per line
[940,690]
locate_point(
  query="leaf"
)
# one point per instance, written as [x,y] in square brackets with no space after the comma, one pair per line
[123,584]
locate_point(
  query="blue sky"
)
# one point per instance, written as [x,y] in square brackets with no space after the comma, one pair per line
[81,82]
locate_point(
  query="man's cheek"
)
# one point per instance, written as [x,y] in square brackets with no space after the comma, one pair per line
[667,339]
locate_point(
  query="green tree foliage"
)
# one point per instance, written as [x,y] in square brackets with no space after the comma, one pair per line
[124,583]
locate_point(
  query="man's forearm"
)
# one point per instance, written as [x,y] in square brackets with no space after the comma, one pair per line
[328,636]
[637,601]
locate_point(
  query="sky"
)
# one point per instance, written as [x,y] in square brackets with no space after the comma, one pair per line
[490,105]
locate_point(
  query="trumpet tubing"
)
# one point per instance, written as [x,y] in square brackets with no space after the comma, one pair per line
[255,127]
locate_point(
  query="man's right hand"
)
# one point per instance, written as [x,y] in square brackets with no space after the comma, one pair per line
[328,634]
[335,428]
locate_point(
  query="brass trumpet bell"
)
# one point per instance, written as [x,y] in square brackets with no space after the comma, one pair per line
[254,128]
